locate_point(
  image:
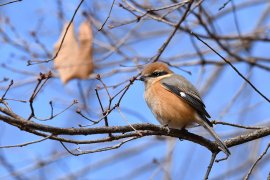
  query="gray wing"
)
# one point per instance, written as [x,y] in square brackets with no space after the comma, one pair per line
[185,90]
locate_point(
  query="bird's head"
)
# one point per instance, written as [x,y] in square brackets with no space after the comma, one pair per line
[154,71]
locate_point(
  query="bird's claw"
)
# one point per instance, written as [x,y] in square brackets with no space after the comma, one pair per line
[167,128]
[184,129]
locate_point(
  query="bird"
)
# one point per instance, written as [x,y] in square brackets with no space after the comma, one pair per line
[174,101]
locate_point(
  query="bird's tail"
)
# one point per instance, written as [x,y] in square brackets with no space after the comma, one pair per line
[222,146]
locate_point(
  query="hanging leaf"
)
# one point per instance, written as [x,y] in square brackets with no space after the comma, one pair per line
[74,61]
[65,61]
[85,50]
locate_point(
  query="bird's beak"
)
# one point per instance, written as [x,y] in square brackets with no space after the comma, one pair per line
[142,78]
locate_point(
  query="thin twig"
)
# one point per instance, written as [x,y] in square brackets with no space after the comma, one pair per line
[256,162]
[234,68]
[31,62]
[97,150]
[176,27]
[236,125]
[36,91]
[224,5]
[85,117]
[107,17]
[210,166]
[123,116]
[5,93]
[174,5]
[28,143]
[10,2]
[57,114]
[104,113]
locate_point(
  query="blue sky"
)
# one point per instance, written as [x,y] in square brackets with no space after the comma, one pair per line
[189,159]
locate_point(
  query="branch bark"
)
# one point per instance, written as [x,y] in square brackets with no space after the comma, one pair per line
[128,131]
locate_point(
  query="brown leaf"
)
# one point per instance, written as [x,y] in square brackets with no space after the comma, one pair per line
[74,61]
[85,50]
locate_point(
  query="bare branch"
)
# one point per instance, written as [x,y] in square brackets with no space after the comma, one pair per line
[107,17]
[210,166]
[176,27]
[256,162]
[80,152]
[10,2]
[26,144]
[236,125]
[31,62]
[234,68]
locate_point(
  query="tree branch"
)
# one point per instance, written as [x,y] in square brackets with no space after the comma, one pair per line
[144,129]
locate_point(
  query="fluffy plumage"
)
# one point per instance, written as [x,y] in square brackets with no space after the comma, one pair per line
[174,101]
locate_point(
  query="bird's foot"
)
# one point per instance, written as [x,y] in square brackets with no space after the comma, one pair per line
[167,128]
[184,129]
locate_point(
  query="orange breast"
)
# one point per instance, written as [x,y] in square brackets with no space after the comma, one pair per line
[168,108]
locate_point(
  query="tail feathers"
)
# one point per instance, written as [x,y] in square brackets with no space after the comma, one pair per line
[222,146]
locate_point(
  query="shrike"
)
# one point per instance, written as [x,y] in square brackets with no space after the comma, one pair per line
[174,101]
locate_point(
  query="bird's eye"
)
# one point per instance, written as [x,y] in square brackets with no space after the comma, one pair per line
[158,73]
[155,74]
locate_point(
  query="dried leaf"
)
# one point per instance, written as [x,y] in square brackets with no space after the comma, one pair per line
[64,62]
[74,61]
[85,50]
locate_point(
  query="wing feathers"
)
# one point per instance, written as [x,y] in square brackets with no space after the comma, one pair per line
[192,99]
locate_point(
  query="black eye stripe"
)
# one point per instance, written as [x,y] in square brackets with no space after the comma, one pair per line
[158,73]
